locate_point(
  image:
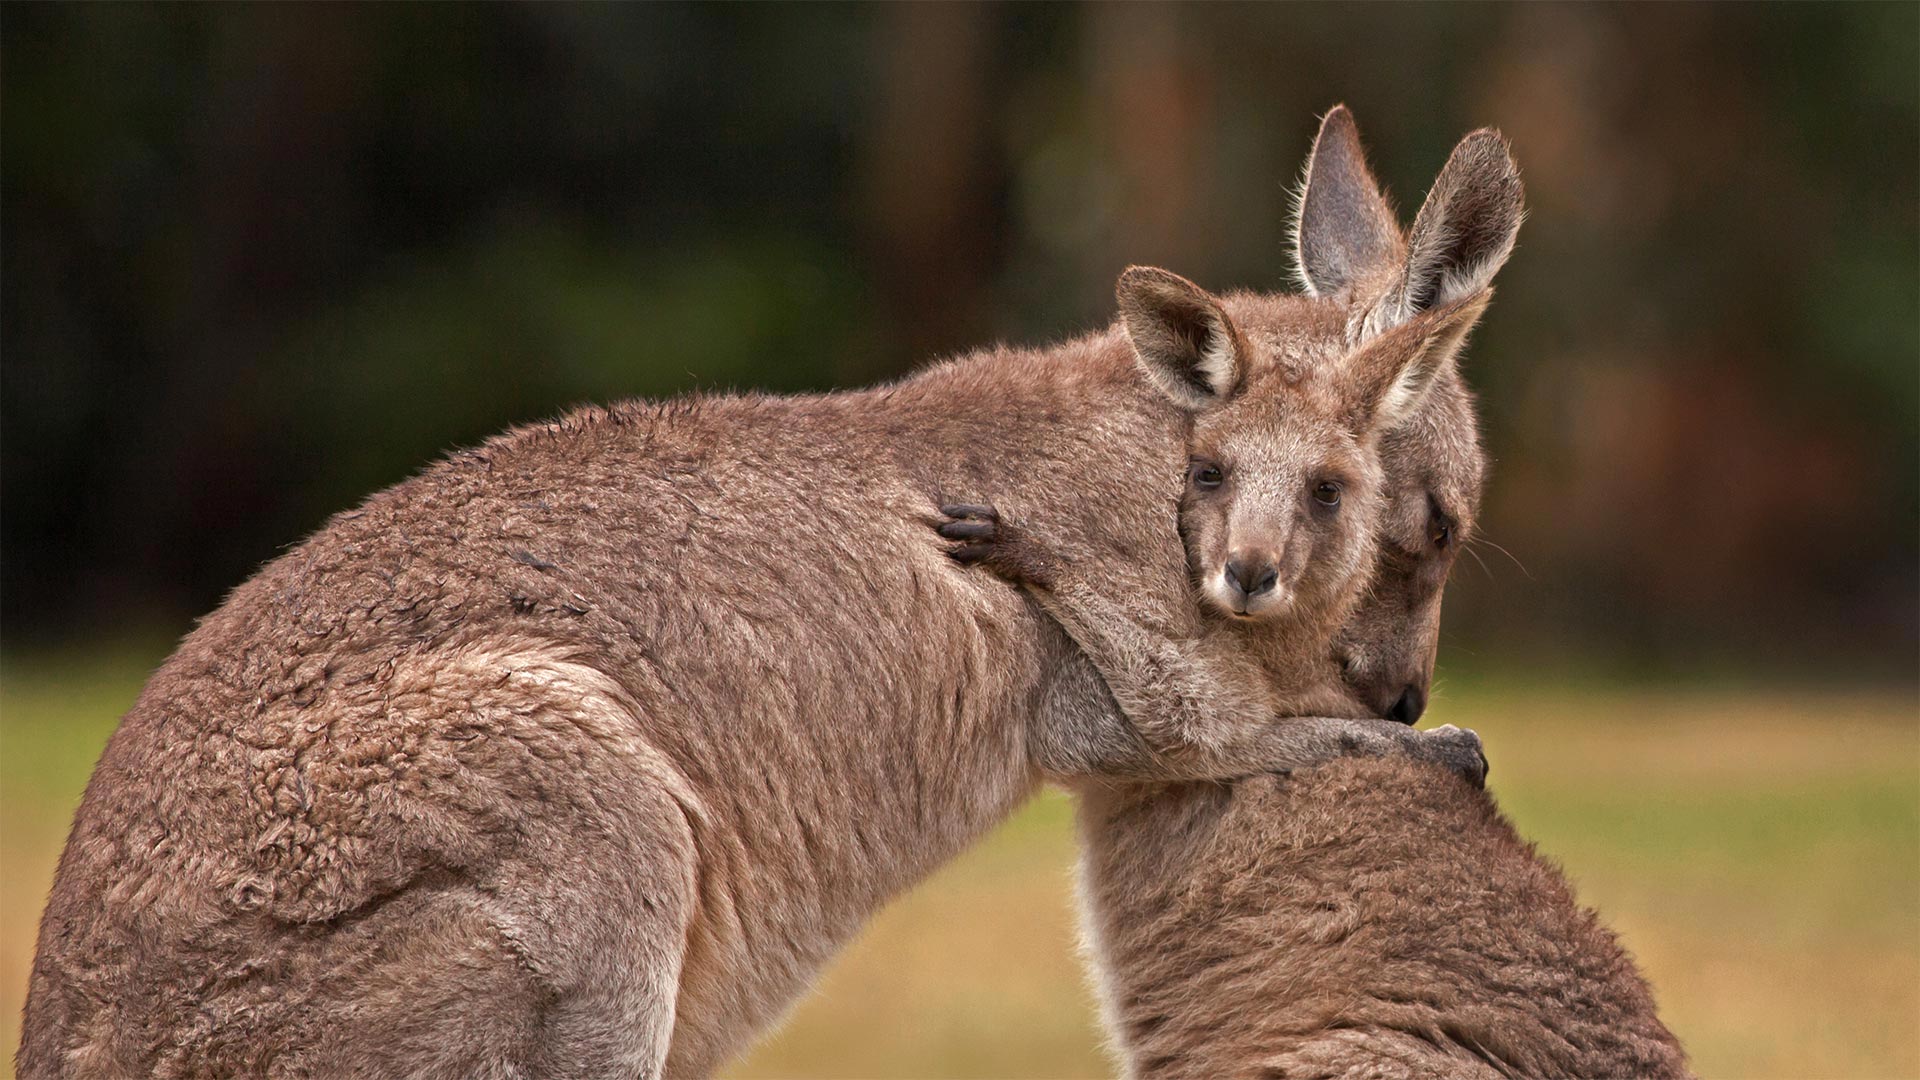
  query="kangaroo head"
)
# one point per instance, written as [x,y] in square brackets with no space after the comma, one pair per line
[1350,250]
[1433,471]
[1283,481]
[1332,443]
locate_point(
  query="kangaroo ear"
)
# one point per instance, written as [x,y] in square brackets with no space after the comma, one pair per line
[1344,229]
[1463,234]
[1386,379]
[1182,338]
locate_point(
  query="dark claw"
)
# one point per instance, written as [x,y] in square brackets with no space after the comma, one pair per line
[968,530]
[967,553]
[981,539]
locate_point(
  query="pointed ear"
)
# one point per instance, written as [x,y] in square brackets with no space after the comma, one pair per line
[1344,229]
[1463,234]
[1182,338]
[1386,379]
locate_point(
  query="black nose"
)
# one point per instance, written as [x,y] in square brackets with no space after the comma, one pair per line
[1413,702]
[1252,578]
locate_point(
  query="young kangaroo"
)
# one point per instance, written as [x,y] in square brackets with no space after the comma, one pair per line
[581,752]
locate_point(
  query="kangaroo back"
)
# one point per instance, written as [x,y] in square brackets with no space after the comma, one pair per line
[1372,917]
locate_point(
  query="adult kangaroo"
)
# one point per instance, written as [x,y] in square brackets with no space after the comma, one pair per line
[581,752]
[1371,918]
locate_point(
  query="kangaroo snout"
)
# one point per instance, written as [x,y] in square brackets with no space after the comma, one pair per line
[1411,703]
[1250,582]
[1399,696]
[1251,575]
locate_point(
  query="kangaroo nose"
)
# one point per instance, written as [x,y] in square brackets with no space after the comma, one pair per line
[1413,702]
[1252,577]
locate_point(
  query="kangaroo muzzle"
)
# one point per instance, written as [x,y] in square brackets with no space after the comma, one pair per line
[1250,584]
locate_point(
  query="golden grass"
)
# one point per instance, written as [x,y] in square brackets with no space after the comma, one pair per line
[1758,849]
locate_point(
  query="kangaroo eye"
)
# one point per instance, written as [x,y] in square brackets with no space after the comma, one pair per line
[1206,475]
[1440,525]
[1327,493]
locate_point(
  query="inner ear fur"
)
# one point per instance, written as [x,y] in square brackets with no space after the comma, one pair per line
[1464,232]
[1344,228]
[1182,338]
[1387,378]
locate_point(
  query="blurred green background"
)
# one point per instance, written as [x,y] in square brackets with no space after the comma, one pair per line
[256,262]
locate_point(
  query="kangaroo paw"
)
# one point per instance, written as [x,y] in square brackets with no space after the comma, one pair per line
[1457,749]
[981,538]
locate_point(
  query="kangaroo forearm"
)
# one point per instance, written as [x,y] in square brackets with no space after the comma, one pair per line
[1193,722]
[1175,698]
[1299,742]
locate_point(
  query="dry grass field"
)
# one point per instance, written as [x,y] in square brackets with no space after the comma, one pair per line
[1759,849]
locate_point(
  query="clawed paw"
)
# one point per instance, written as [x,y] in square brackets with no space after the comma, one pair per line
[1457,749]
[981,538]
[974,528]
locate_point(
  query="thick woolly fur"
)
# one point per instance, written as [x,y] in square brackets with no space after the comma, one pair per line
[1367,918]
[582,752]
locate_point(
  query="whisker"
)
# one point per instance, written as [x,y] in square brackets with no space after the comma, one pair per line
[1484,568]
[1503,551]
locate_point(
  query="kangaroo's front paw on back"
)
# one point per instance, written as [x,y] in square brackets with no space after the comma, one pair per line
[1457,749]
[981,538]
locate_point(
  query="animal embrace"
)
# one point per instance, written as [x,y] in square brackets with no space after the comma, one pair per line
[582,752]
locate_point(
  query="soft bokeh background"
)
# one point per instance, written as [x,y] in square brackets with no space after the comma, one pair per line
[256,262]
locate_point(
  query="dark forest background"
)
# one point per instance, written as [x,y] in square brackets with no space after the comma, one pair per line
[259,261]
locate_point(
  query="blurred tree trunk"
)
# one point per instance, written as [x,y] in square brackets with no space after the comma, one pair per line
[1157,106]
[928,209]
[263,217]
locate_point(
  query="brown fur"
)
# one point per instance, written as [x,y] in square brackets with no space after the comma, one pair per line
[582,752]
[1367,918]
[1364,919]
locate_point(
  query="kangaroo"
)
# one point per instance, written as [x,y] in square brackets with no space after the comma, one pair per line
[1363,918]
[581,752]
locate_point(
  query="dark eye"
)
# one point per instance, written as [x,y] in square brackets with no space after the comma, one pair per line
[1205,475]
[1327,493]
[1440,526]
